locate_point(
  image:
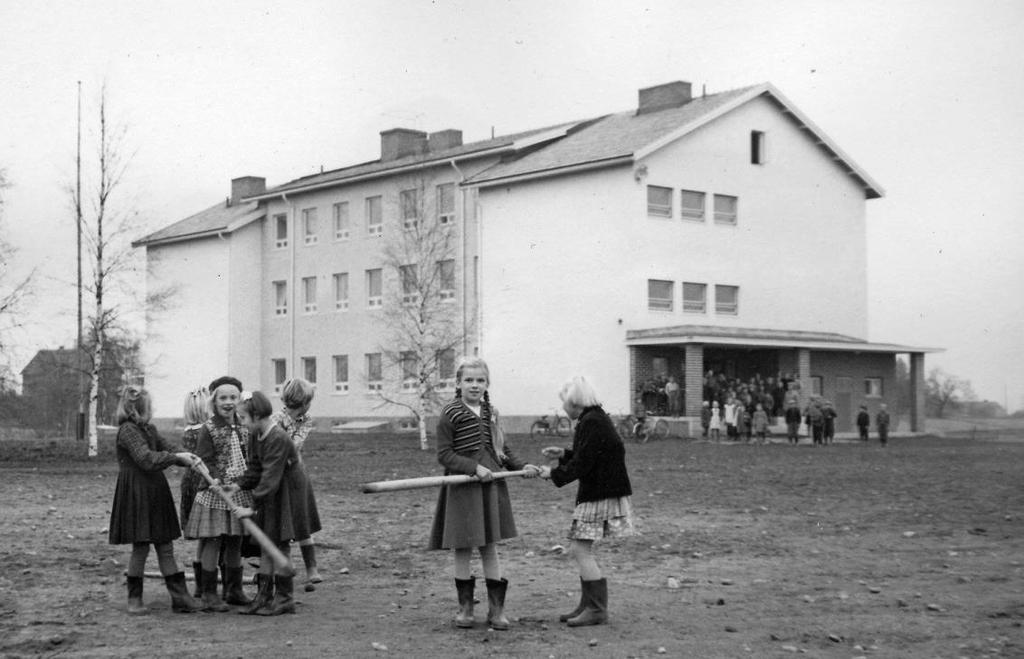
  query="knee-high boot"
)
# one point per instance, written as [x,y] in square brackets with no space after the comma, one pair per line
[579,607]
[464,587]
[264,594]
[197,572]
[233,592]
[283,601]
[496,589]
[595,611]
[181,601]
[135,605]
[211,600]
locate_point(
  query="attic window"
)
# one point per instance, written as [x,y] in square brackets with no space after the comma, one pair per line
[757,156]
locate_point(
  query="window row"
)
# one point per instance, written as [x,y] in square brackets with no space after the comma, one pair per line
[411,208]
[692,205]
[442,370]
[412,284]
[872,387]
[661,296]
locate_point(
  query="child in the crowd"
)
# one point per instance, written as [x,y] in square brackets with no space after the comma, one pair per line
[793,419]
[297,395]
[743,422]
[705,418]
[143,510]
[196,410]
[477,514]
[221,445]
[715,422]
[882,424]
[283,500]
[597,460]
[863,422]
[759,424]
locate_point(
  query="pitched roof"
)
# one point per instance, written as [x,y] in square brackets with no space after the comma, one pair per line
[49,359]
[625,137]
[217,219]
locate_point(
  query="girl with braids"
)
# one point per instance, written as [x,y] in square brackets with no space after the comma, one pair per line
[476,514]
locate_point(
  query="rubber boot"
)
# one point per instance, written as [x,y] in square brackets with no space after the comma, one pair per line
[233,592]
[197,572]
[496,589]
[596,610]
[283,601]
[579,607]
[312,574]
[264,594]
[135,605]
[181,601]
[211,600]
[464,587]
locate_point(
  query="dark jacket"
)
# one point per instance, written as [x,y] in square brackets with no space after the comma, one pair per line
[597,459]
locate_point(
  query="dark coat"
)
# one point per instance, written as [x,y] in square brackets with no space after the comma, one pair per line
[597,459]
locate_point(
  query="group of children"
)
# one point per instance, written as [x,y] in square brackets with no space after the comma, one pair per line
[245,462]
[739,422]
[254,464]
[752,423]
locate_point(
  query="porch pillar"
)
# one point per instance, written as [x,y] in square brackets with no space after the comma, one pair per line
[803,369]
[917,392]
[693,374]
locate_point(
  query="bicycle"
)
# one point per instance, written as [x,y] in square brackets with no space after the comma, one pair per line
[630,427]
[545,426]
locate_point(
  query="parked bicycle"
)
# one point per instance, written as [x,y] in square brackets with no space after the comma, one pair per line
[551,424]
[630,427]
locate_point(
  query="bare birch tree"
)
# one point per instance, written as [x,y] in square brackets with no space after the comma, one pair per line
[13,292]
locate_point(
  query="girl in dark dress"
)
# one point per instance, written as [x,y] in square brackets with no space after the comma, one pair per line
[283,500]
[143,511]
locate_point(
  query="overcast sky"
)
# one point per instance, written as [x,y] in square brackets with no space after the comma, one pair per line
[927,96]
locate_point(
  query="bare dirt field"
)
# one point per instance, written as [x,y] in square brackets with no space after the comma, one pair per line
[850,550]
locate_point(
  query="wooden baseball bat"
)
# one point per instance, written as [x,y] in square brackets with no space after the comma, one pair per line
[282,565]
[429,481]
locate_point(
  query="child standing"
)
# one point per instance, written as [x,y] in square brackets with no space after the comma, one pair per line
[715,422]
[759,423]
[143,510]
[479,514]
[282,496]
[297,395]
[597,460]
[197,405]
[863,421]
[882,424]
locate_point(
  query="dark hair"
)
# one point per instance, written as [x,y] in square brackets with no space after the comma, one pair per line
[134,405]
[258,405]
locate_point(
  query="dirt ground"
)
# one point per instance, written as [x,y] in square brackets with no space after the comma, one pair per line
[850,550]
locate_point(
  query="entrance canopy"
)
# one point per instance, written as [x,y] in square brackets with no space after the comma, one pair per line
[742,337]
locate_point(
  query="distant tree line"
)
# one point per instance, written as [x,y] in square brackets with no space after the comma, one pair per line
[945,395]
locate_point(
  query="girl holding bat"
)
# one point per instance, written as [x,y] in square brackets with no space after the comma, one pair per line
[597,460]
[143,510]
[285,506]
[478,514]
[197,406]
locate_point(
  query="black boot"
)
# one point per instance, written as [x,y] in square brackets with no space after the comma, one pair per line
[181,601]
[496,589]
[197,572]
[282,602]
[464,587]
[264,594]
[596,609]
[579,607]
[233,592]
[211,600]
[135,605]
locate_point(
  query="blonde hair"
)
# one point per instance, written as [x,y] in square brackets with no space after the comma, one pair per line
[197,406]
[579,392]
[297,393]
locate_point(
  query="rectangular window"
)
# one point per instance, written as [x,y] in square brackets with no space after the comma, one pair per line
[309,294]
[727,299]
[309,369]
[409,201]
[310,226]
[756,147]
[342,227]
[374,288]
[873,387]
[659,295]
[374,372]
[340,373]
[446,279]
[410,373]
[341,291]
[691,205]
[280,231]
[280,298]
[815,385]
[374,218]
[446,368]
[659,201]
[446,203]
[410,284]
[695,297]
[280,373]
[725,209]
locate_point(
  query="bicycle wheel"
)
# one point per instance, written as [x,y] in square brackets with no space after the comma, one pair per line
[563,426]
[625,426]
[660,429]
[538,428]
[640,432]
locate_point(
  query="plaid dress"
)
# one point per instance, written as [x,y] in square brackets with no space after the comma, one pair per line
[222,447]
[143,509]
[190,480]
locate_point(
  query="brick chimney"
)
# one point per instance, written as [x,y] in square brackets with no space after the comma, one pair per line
[444,139]
[662,97]
[246,186]
[400,142]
